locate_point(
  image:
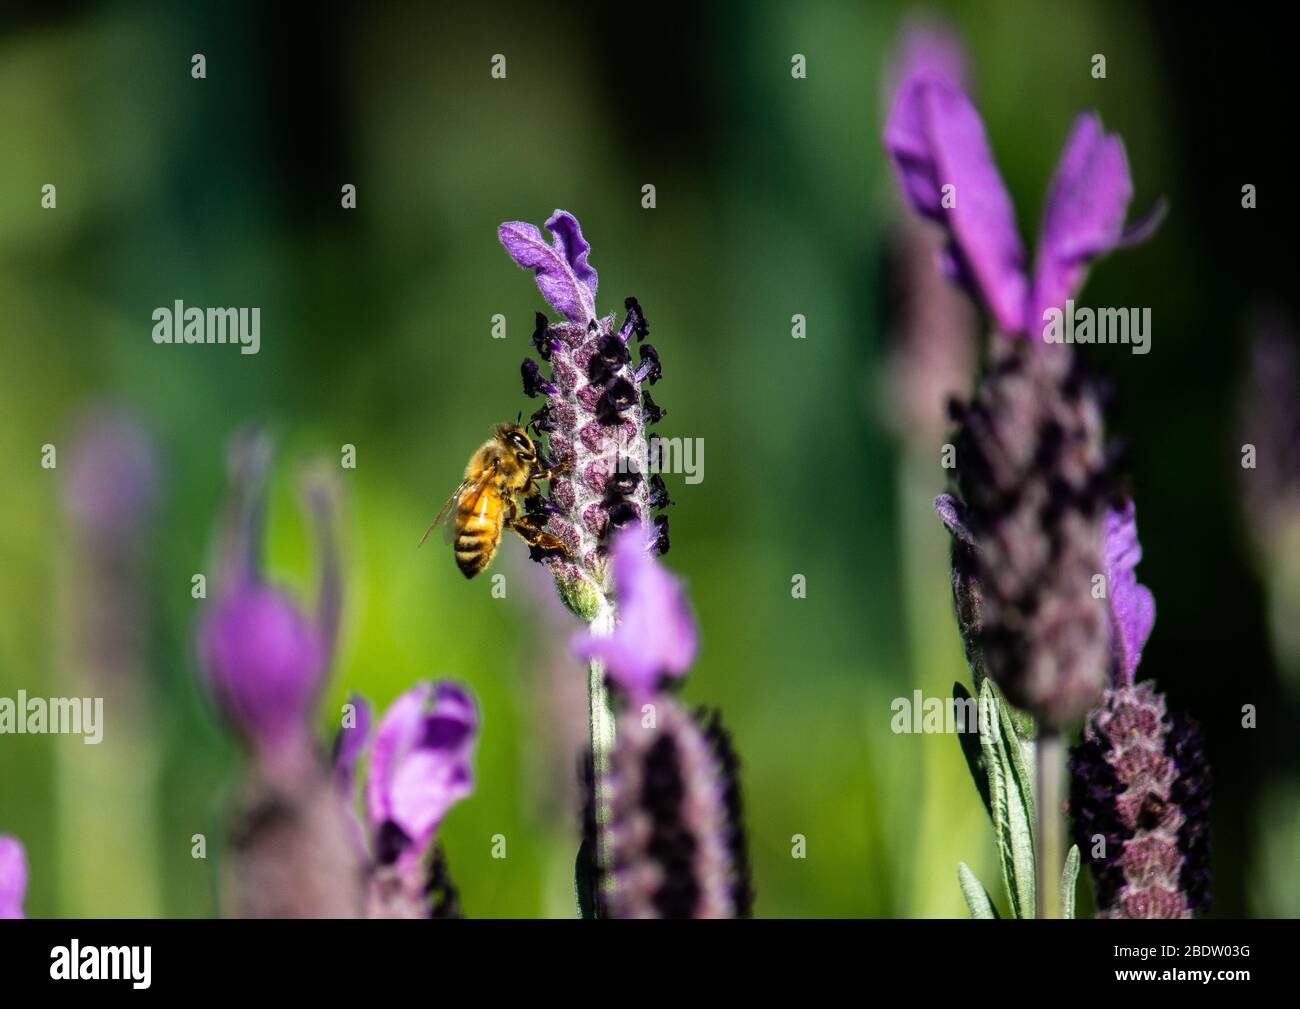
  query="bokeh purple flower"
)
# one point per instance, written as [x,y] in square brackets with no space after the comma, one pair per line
[264,658]
[945,167]
[13,877]
[420,765]
[933,355]
[654,639]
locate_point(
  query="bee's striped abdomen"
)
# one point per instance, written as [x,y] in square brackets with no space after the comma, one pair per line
[477,534]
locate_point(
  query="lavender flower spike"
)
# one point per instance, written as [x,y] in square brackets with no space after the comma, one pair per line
[654,639]
[674,837]
[1032,483]
[13,877]
[1139,779]
[1140,795]
[263,657]
[596,414]
[419,768]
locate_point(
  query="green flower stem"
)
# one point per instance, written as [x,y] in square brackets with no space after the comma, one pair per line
[1051,771]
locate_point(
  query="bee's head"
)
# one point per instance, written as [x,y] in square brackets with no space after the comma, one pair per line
[516,439]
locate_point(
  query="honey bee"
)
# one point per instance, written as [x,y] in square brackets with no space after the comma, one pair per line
[506,467]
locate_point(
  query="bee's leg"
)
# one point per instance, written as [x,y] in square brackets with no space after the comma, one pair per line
[539,541]
[559,469]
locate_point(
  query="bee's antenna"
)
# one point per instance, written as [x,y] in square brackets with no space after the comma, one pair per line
[518,417]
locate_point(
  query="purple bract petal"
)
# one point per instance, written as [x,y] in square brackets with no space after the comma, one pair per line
[1132,606]
[655,635]
[564,277]
[420,763]
[935,138]
[13,877]
[1083,217]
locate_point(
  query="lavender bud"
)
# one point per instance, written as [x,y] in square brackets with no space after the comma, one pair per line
[648,369]
[263,657]
[1139,780]
[546,344]
[533,381]
[634,322]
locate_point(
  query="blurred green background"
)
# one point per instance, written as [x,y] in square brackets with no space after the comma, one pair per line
[773,198]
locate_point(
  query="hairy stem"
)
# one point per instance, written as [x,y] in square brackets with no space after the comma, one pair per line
[1047,875]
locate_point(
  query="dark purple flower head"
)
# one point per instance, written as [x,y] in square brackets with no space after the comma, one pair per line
[263,657]
[596,411]
[420,765]
[1132,606]
[675,839]
[13,877]
[945,167]
[1033,478]
[654,639]
[1140,784]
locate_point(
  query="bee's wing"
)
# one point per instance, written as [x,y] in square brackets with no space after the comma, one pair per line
[469,490]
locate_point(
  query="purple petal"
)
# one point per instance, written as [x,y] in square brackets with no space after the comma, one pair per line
[1132,606]
[655,635]
[420,762]
[263,660]
[935,138]
[1083,217]
[13,877]
[564,276]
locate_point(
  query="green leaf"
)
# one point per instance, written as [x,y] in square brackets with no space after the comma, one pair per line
[1068,876]
[972,751]
[977,898]
[585,880]
[1012,797]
